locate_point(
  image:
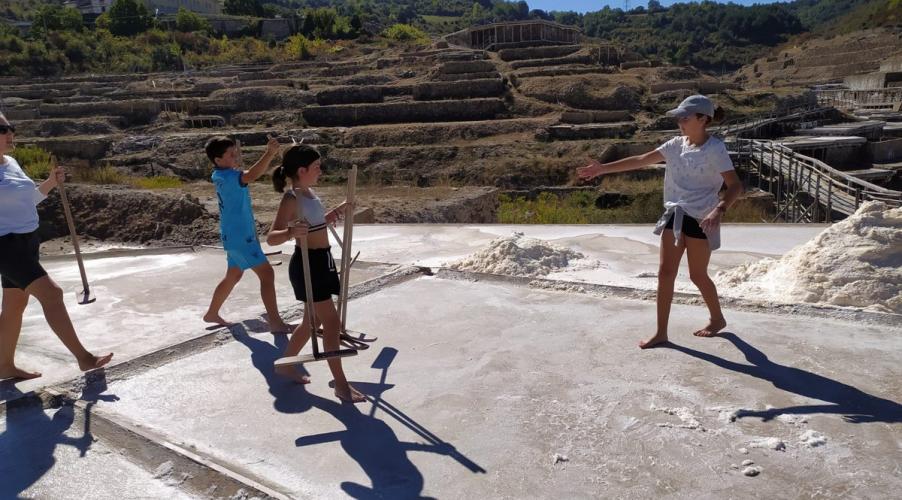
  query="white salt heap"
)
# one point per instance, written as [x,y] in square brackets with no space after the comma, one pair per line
[856,262]
[517,255]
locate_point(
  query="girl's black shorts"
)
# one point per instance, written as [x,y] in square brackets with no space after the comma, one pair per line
[323,275]
[19,259]
[690,227]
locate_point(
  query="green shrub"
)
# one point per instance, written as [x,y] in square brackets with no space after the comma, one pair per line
[406,33]
[34,161]
[100,175]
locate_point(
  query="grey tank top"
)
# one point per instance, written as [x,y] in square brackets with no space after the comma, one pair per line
[311,210]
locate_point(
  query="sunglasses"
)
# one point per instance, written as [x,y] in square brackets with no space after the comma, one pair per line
[4,129]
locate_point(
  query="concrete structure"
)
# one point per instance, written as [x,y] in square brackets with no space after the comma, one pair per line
[92,8]
[172,6]
[478,387]
[276,29]
[891,65]
[517,34]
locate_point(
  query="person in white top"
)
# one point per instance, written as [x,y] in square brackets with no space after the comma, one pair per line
[697,166]
[20,269]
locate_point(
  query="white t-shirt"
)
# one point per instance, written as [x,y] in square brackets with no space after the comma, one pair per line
[692,177]
[18,198]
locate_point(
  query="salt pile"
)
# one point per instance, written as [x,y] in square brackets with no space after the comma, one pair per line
[517,255]
[856,263]
[812,438]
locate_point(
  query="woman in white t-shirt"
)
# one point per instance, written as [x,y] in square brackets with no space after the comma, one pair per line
[21,272]
[697,166]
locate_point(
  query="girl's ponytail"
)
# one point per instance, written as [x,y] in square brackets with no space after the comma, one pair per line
[718,115]
[278,179]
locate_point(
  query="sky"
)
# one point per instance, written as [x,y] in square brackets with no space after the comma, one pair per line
[593,5]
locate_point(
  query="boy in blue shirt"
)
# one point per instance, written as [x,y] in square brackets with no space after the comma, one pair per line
[238,228]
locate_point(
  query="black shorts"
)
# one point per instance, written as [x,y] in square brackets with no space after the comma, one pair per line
[19,260]
[690,227]
[323,275]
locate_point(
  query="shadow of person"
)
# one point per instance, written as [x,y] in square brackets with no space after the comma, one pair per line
[853,404]
[29,441]
[367,440]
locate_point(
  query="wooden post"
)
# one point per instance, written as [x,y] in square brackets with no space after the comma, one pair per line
[346,249]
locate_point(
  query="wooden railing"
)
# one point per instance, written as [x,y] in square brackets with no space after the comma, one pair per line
[743,126]
[805,189]
[888,98]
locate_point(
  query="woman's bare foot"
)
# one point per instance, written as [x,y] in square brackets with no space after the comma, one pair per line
[654,341]
[94,362]
[714,327]
[349,393]
[17,373]
[290,373]
[216,319]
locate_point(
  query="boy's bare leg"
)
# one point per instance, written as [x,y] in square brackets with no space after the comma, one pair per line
[50,295]
[667,272]
[299,338]
[699,254]
[267,277]
[220,294]
[325,312]
[14,303]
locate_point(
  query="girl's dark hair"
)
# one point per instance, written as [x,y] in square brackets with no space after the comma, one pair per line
[717,118]
[217,146]
[297,157]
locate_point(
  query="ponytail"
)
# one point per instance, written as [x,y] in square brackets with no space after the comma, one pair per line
[296,158]
[718,115]
[278,179]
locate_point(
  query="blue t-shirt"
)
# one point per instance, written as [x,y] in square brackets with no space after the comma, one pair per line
[236,218]
[18,197]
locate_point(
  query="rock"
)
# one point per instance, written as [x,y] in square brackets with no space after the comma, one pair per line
[751,471]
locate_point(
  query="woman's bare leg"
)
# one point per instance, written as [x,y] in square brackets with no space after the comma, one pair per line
[50,295]
[14,303]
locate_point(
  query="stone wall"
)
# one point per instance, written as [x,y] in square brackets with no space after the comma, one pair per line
[463,89]
[537,52]
[455,67]
[350,94]
[403,112]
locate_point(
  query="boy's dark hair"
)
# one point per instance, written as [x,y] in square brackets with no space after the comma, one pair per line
[217,147]
[297,157]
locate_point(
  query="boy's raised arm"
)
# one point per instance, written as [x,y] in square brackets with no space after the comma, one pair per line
[259,168]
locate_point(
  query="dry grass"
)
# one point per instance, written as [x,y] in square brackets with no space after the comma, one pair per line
[579,208]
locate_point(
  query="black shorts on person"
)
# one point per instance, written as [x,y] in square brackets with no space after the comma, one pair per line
[19,259]
[323,275]
[690,227]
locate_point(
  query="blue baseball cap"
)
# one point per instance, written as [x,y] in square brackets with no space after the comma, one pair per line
[691,105]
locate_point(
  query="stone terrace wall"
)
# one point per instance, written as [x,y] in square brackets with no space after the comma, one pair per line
[463,89]
[403,112]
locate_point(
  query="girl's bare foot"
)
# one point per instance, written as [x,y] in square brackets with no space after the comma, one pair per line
[94,362]
[652,342]
[17,373]
[713,328]
[216,319]
[280,328]
[290,373]
[349,393]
